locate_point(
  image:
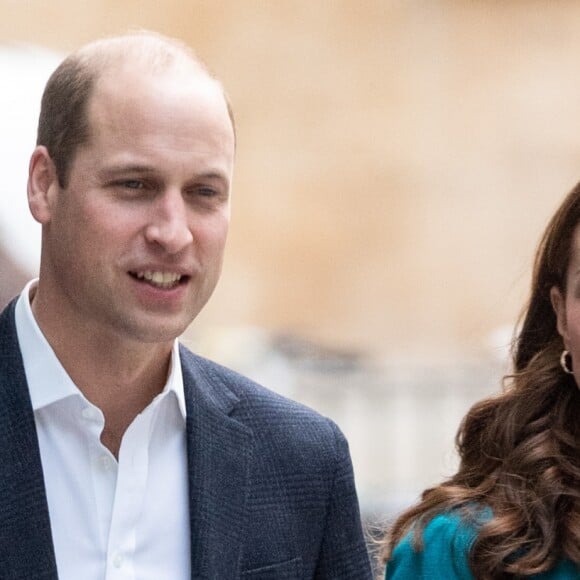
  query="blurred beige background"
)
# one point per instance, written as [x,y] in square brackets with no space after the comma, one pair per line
[397,161]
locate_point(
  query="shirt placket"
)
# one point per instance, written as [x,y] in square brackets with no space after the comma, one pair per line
[132,471]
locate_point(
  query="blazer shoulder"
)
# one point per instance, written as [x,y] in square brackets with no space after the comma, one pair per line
[271,416]
[247,392]
[11,364]
[8,327]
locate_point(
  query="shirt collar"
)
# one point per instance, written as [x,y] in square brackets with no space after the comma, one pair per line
[48,381]
[175,378]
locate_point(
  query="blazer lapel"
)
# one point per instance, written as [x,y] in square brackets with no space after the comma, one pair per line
[219,459]
[219,456]
[26,548]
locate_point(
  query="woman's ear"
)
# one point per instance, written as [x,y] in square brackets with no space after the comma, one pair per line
[559,306]
[42,185]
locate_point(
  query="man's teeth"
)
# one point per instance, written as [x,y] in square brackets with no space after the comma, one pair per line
[162,279]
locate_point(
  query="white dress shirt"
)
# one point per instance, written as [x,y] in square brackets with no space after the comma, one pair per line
[125,520]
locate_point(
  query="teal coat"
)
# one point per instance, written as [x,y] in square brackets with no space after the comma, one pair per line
[447,542]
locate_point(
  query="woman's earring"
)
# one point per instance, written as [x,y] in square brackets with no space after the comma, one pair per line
[564,362]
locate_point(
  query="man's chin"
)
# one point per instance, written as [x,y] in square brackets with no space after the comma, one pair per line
[154,329]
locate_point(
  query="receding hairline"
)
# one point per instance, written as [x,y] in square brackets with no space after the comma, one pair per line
[148,50]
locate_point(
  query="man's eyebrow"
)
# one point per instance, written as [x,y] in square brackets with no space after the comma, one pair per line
[213,175]
[114,170]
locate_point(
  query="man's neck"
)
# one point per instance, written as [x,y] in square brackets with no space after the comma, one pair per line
[119,376]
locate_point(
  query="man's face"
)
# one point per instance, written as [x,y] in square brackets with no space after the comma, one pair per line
[134,244]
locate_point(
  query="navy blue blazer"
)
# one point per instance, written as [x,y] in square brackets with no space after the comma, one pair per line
[271,488]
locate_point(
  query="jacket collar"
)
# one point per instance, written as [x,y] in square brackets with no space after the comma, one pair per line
[26,548]
[219,457]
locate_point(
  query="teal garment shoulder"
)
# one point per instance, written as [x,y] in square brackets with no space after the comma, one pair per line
[447,541]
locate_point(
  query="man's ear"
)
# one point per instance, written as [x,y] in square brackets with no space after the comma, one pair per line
[559,306]
[42,185]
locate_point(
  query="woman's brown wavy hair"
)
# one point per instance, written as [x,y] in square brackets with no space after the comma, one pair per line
[520,451]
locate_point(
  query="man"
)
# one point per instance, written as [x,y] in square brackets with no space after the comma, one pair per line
[123,454]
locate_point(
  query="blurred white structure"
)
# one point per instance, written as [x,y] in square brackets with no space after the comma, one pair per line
[24,71]
[401,420]
[400,415]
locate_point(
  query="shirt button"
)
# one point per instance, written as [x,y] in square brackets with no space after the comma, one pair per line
[118,560]
[105,462]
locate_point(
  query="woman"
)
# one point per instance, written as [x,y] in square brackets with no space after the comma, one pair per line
[512,510]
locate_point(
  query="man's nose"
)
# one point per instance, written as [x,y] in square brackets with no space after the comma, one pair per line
[169,224]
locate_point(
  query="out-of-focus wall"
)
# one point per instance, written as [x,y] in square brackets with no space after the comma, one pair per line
[396,164]
[396,161]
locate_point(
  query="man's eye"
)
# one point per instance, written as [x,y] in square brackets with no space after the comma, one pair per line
[206,191]
[133,184]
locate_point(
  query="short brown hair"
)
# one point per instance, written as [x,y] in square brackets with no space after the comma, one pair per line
[63,124]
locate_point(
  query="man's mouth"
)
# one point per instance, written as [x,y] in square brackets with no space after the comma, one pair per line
[159,279]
